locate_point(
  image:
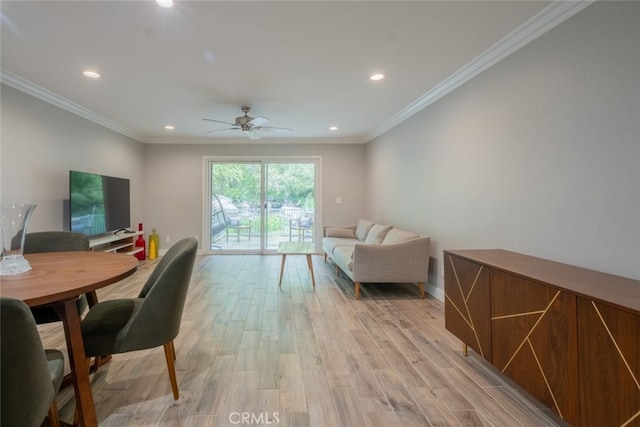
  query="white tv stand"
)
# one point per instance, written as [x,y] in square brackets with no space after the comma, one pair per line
[122,243]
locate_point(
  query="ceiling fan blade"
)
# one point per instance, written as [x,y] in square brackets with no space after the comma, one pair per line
[258,121]
[269,128]
[222,130]
[219,121]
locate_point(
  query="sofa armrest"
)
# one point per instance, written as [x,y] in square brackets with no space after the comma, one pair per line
[392,263]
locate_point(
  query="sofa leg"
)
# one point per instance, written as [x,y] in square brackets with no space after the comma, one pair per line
[421,288]
[357,290]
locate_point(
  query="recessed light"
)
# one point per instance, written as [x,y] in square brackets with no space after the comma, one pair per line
[169,127]
[333,128]
[91,74]
[165,3]
[378,76]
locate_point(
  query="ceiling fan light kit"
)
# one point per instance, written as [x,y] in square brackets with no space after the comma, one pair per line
[249,125]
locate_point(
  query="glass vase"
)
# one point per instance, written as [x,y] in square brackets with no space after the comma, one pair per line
[14,219]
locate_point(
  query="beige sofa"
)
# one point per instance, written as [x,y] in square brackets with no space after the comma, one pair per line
[374,253]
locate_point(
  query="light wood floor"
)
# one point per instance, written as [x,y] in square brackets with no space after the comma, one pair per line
[298,357]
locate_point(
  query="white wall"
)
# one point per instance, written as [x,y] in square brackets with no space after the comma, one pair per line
[174,194]
[40,143]
[540,154]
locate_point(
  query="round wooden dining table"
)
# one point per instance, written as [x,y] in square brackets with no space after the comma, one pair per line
[57,279]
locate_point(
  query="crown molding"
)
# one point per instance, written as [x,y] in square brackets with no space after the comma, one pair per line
[534,27]
[262,141]
[30,88]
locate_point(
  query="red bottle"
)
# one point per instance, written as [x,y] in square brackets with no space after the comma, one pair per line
[140,243]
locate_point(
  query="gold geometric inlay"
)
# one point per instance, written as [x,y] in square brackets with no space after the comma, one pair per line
[635,379]
[473,285]
[508,316]
[453,304]
[526,338]
[549,389]
[468,319]
[630,420]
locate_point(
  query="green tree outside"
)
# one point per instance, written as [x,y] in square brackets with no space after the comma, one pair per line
[288,184]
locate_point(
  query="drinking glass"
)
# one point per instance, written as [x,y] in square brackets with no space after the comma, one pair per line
[14,219]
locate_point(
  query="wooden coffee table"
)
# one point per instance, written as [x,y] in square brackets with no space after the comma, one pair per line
[296,248]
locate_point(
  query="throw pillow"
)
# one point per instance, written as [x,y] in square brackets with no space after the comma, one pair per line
[377,233]
[340,232]
[398,236]
[362,229]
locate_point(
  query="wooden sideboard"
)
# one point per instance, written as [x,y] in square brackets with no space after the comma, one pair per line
[568,335]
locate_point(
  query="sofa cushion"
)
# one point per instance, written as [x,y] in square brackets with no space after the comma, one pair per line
[340,232]
[343,256]
[362,229]
[330,243]
[398,236]
[377,233]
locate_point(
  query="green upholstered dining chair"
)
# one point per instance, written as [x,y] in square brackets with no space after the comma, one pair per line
[150,320]
[30,375]
[55,241]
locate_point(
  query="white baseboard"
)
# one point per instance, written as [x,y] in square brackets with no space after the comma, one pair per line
[434,291]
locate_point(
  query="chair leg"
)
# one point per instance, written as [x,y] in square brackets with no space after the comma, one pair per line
[169,354]
[54,420]
[173,351]
[96,363]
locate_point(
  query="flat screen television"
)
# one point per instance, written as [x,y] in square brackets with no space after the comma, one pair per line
[98,204]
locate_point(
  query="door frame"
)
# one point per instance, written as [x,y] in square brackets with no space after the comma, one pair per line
[206,202]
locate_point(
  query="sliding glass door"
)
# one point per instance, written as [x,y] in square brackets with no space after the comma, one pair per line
[253,204]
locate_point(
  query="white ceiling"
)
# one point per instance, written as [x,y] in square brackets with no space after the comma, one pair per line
[303,64]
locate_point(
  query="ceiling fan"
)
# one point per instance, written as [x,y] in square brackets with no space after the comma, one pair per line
[249,125]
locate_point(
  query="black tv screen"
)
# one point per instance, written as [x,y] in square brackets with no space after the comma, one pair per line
[98,204]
